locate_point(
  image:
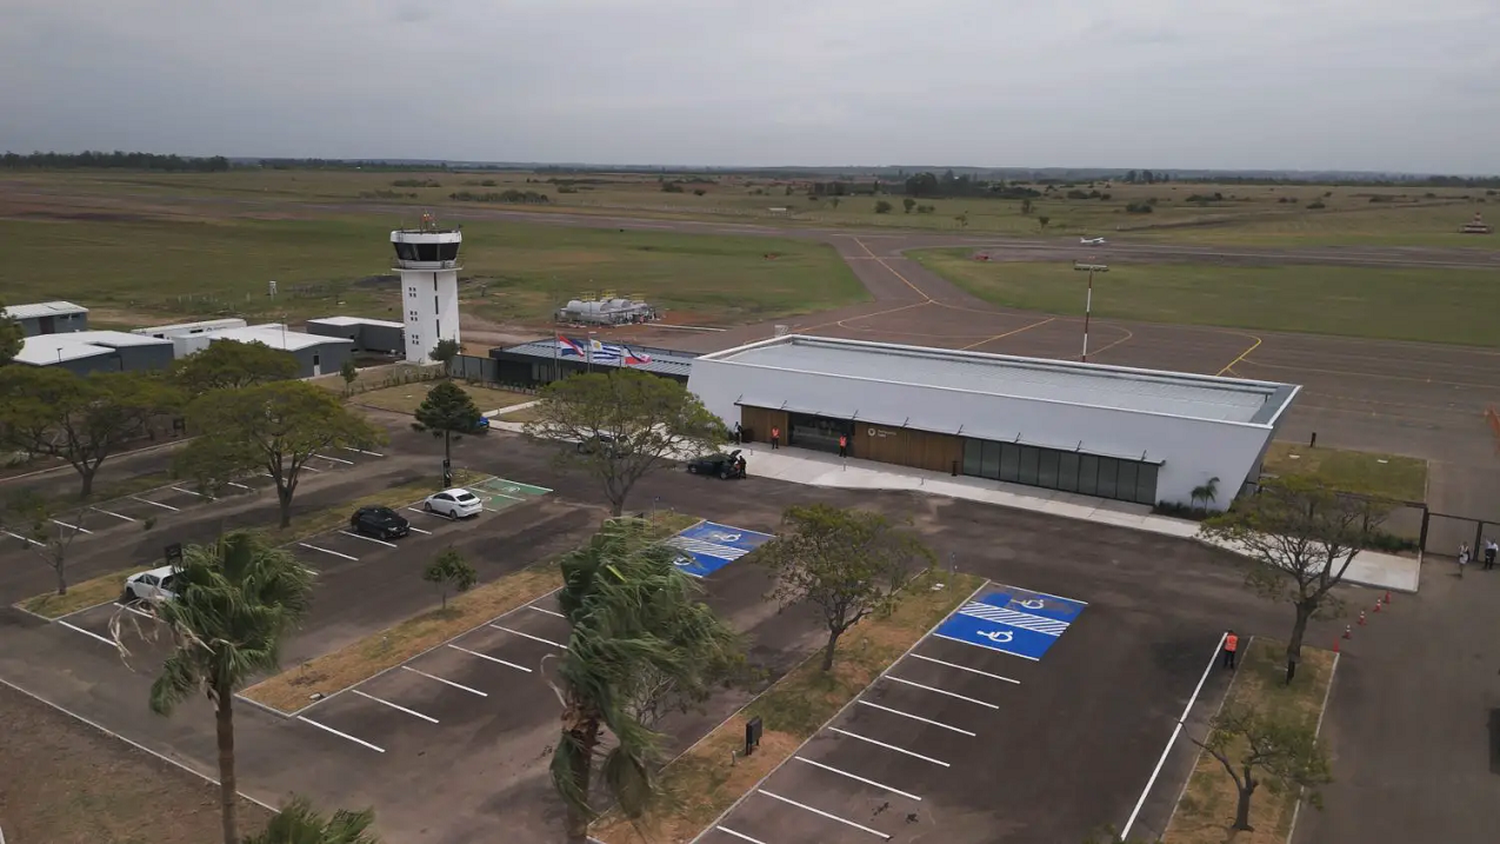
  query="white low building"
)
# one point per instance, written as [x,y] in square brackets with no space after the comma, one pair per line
[1114,432]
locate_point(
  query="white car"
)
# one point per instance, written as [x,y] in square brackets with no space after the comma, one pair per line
[454,503]
[153,585]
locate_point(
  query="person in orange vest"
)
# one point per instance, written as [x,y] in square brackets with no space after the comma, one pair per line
[775,438]
[843,445]
[1231,645]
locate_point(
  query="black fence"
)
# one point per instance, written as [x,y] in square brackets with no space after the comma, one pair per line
[474,368]
[1442,534]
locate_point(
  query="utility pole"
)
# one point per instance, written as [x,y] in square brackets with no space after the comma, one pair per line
[1088,301]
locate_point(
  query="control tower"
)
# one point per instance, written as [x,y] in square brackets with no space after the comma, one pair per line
[427,259]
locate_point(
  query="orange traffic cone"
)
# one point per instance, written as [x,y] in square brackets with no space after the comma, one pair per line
[1387,597]
[1361,618]
[1377,606]
[1335,645]
[1348,632]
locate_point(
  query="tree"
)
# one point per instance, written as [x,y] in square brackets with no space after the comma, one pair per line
[636,620]
[448,411]
[1300,538]
[962,220]
[1025,207]
[274,428]
[882,207]
[1208,493]
[444,353]
[229,364]
[83,420]
[298,823]
[12,336]
[908,203]
[847,563]
[350,373]
[46,530]
[1258,748]
[449,570]
[834,202]
[235,601]
[627,423]
[1043,220]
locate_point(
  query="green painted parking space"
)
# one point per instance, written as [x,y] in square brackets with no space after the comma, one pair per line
[502,492]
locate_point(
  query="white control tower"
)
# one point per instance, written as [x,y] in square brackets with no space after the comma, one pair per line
[427,259]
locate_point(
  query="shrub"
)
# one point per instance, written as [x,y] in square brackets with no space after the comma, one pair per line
[1315,205]
[1138,208]
[882,207]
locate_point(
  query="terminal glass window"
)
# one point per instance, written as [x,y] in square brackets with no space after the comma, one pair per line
[1069,471]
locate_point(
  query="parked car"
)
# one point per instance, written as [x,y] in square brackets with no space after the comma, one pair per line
[379,522]
[153,585]
[456,503]
[481,425]
[606,442]
[723,465]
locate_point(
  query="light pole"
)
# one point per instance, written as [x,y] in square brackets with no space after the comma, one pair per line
[590,351]
[1088,301]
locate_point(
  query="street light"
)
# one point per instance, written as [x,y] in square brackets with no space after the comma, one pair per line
[1088,302]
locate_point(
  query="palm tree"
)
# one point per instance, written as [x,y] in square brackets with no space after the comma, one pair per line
[299,823]
[638,628]
[235,601]
[1206,493]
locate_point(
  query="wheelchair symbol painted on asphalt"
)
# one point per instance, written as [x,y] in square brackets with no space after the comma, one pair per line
[999,637]
[1033,603]
[726,537]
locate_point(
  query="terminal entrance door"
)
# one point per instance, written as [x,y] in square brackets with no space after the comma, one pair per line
[818,433]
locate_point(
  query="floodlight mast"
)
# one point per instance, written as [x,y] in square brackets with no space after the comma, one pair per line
[1088,300]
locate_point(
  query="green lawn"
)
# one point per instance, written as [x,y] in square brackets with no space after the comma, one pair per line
[1382,475]
[1435,305]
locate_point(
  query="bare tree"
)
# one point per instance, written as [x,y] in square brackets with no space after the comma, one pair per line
[42,527]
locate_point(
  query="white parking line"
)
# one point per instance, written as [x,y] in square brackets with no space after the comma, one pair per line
[335,459]
[109,642]
[863,702]
[326,551]
[266,475]
[339,734]
[419,530]
[740,835]
[965,668]
[368,538]
[70,527]
[445,682]
[983,647]
[22,538]
[889,747]
[529,636]
[141,613]
[157,503]
[940,691]
[362,451]
[875,832]
[878,785]
[311,469]
[112,513]
[238,485]
[396,707]
[491,658]
[548,612]
[193,492]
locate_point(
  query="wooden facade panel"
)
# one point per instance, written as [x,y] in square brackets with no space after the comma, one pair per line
[906,447]
[757,423]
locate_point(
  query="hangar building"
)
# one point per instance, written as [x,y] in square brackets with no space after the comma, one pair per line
[1114,432]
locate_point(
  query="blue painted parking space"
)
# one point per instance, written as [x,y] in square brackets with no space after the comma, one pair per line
[1013,621]
[710,546]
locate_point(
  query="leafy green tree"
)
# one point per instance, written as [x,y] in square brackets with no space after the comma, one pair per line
[12,336]
[1043,221]
[847,563]
[908,204]
[49,411]
[1025,207]
[882,207]
[449,570]
[627,423]
[350,373]
[298,823]
[275,427]
[635,619]
[1300,538]
[444,353]
[448,411]
[228,364]
[1273,749]
[235,602]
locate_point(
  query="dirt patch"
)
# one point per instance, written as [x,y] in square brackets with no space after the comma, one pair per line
[63,782]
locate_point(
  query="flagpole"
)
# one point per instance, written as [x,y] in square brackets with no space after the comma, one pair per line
[556,346]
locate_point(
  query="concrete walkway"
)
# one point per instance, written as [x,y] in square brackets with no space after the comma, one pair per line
[1382,571]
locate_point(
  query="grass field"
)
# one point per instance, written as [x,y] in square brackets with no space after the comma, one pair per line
[407,398]
[1435,305]
[1382,475]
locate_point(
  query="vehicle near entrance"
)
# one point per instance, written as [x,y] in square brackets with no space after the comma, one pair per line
[456,503]
[153,585]
[379,522]
[725,466]
[606,443]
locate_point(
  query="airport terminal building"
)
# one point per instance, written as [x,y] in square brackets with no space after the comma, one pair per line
[1133,435]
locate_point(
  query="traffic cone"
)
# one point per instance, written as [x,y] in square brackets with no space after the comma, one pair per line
[1377,606]
[1361,618]
[1335,645]
[1387,597]
[1348,632]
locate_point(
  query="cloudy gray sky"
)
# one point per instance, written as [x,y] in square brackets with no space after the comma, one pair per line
[1347,84]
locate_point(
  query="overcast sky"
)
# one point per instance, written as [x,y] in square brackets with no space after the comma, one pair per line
[1346,84]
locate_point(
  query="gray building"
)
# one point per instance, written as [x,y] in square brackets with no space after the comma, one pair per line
[49,317]
[375,336]
[83,352]
[545,361]
[315,354]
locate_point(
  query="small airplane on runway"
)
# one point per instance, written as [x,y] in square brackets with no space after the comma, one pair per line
[1093,241]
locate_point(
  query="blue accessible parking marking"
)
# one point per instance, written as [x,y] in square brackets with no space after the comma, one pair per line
[1012,621]
[710,546]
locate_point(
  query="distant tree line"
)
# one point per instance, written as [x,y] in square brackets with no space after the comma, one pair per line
[117,160]
[525,197]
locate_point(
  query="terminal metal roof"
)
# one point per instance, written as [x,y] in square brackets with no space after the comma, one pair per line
[1038,379]
[663,361]
[43,309]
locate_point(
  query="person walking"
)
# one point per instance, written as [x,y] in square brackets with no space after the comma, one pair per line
[843,445]
[1490,549]
[775,438]
[1231,646]
[739,434]
[1463,557]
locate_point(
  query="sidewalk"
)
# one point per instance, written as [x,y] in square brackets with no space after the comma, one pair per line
[1369,568]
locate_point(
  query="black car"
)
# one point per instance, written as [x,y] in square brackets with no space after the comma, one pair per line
[725,466]
[379,522]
